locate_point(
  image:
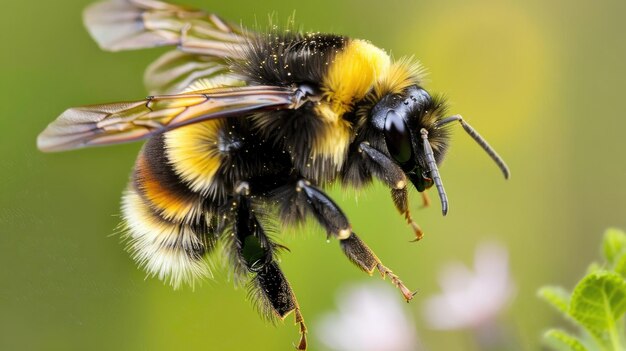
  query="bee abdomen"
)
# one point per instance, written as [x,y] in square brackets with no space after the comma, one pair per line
[167,224]
[161,188]
[172,251]
[196,153]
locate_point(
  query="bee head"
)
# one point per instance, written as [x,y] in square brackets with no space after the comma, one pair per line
[414,128]
[401,118]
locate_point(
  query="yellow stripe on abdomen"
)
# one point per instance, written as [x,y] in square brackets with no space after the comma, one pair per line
[169,203]
[194,153]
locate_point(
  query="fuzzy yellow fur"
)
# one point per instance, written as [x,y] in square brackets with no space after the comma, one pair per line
[400,75]
[194,153]
[351,75]
[171,205]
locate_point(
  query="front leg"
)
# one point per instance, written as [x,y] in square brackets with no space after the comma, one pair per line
[392,175]
[330,216]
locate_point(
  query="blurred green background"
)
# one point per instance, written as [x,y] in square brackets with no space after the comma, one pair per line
[542,81]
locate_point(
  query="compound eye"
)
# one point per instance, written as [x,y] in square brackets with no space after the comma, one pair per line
[398,138]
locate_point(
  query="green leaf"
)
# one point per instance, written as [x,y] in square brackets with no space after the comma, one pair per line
[557,297]
[613,245]
[620,266]
[594,267]
[562,341]
[598,301]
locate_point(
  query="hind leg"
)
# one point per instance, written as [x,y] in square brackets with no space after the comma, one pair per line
[254,253]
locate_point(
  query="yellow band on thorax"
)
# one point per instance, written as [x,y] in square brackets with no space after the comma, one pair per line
[353,72]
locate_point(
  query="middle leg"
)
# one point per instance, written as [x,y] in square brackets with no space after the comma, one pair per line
[330,216]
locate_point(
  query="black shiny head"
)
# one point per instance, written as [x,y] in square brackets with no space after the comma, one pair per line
[414,128]
[400,117]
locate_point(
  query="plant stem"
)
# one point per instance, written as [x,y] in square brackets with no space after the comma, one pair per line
[614,334]
[615,340]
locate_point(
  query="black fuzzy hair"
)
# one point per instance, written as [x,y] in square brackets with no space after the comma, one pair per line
[284,58]
[439,138]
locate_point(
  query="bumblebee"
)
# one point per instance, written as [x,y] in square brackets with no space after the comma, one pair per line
[244,127]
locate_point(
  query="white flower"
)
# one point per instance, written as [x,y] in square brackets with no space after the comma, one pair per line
[370,317]
[472,299]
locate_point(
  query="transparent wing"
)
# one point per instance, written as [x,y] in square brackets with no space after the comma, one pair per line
[136,24]
[175,72]
[129,121]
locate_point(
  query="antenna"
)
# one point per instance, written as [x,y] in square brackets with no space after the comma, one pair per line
[434,171]
[480,140]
